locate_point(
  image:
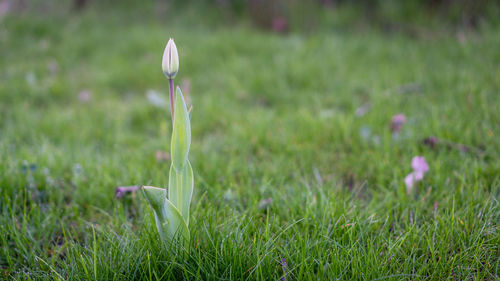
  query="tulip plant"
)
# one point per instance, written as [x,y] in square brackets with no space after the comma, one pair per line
[171,208]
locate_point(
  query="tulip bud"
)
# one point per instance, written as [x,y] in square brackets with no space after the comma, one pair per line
[170,63]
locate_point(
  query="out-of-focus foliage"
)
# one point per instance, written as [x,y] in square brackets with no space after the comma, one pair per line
[285,15]
[269,13]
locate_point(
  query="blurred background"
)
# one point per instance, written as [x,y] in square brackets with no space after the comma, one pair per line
[412,16]
[82,79]
[311,109]
[87,72]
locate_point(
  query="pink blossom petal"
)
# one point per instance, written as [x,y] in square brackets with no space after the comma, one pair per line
[418,163]
[409,180]
[413,178]
[84,96]
[418,175]
[399,118]
[420,167]
[397,122]
[122,190]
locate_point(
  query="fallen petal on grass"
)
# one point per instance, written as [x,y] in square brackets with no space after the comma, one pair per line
[265,203]
[397,123]
[419,164]
[410,179]
[120,191]
[420,167]
[84,96]
[162,156]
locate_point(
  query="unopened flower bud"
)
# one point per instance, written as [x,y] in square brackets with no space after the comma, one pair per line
[170,63]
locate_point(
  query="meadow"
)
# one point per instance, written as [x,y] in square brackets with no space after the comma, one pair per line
[298,172]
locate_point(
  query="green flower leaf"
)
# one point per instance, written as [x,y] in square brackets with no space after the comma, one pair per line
[175,226]
[156,197]
[181,135]
[168,219]
[180,189]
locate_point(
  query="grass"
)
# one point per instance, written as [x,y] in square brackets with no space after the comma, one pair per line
[273,117]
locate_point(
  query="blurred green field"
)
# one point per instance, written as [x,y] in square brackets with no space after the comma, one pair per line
[291,148]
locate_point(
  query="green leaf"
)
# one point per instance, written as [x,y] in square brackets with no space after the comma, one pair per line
[157,198]
[180,189]
[181,135]
[169,221]
[175,224]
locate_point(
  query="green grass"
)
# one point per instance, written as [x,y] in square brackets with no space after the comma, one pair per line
[273,117]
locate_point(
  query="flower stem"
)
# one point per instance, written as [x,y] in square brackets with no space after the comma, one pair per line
[171,97]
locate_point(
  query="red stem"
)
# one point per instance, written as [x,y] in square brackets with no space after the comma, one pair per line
[171,96]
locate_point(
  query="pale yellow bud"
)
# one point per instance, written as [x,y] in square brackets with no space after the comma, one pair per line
[170,63]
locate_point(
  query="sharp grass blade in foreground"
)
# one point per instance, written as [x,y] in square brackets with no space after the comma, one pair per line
[181,135]
[180,189]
